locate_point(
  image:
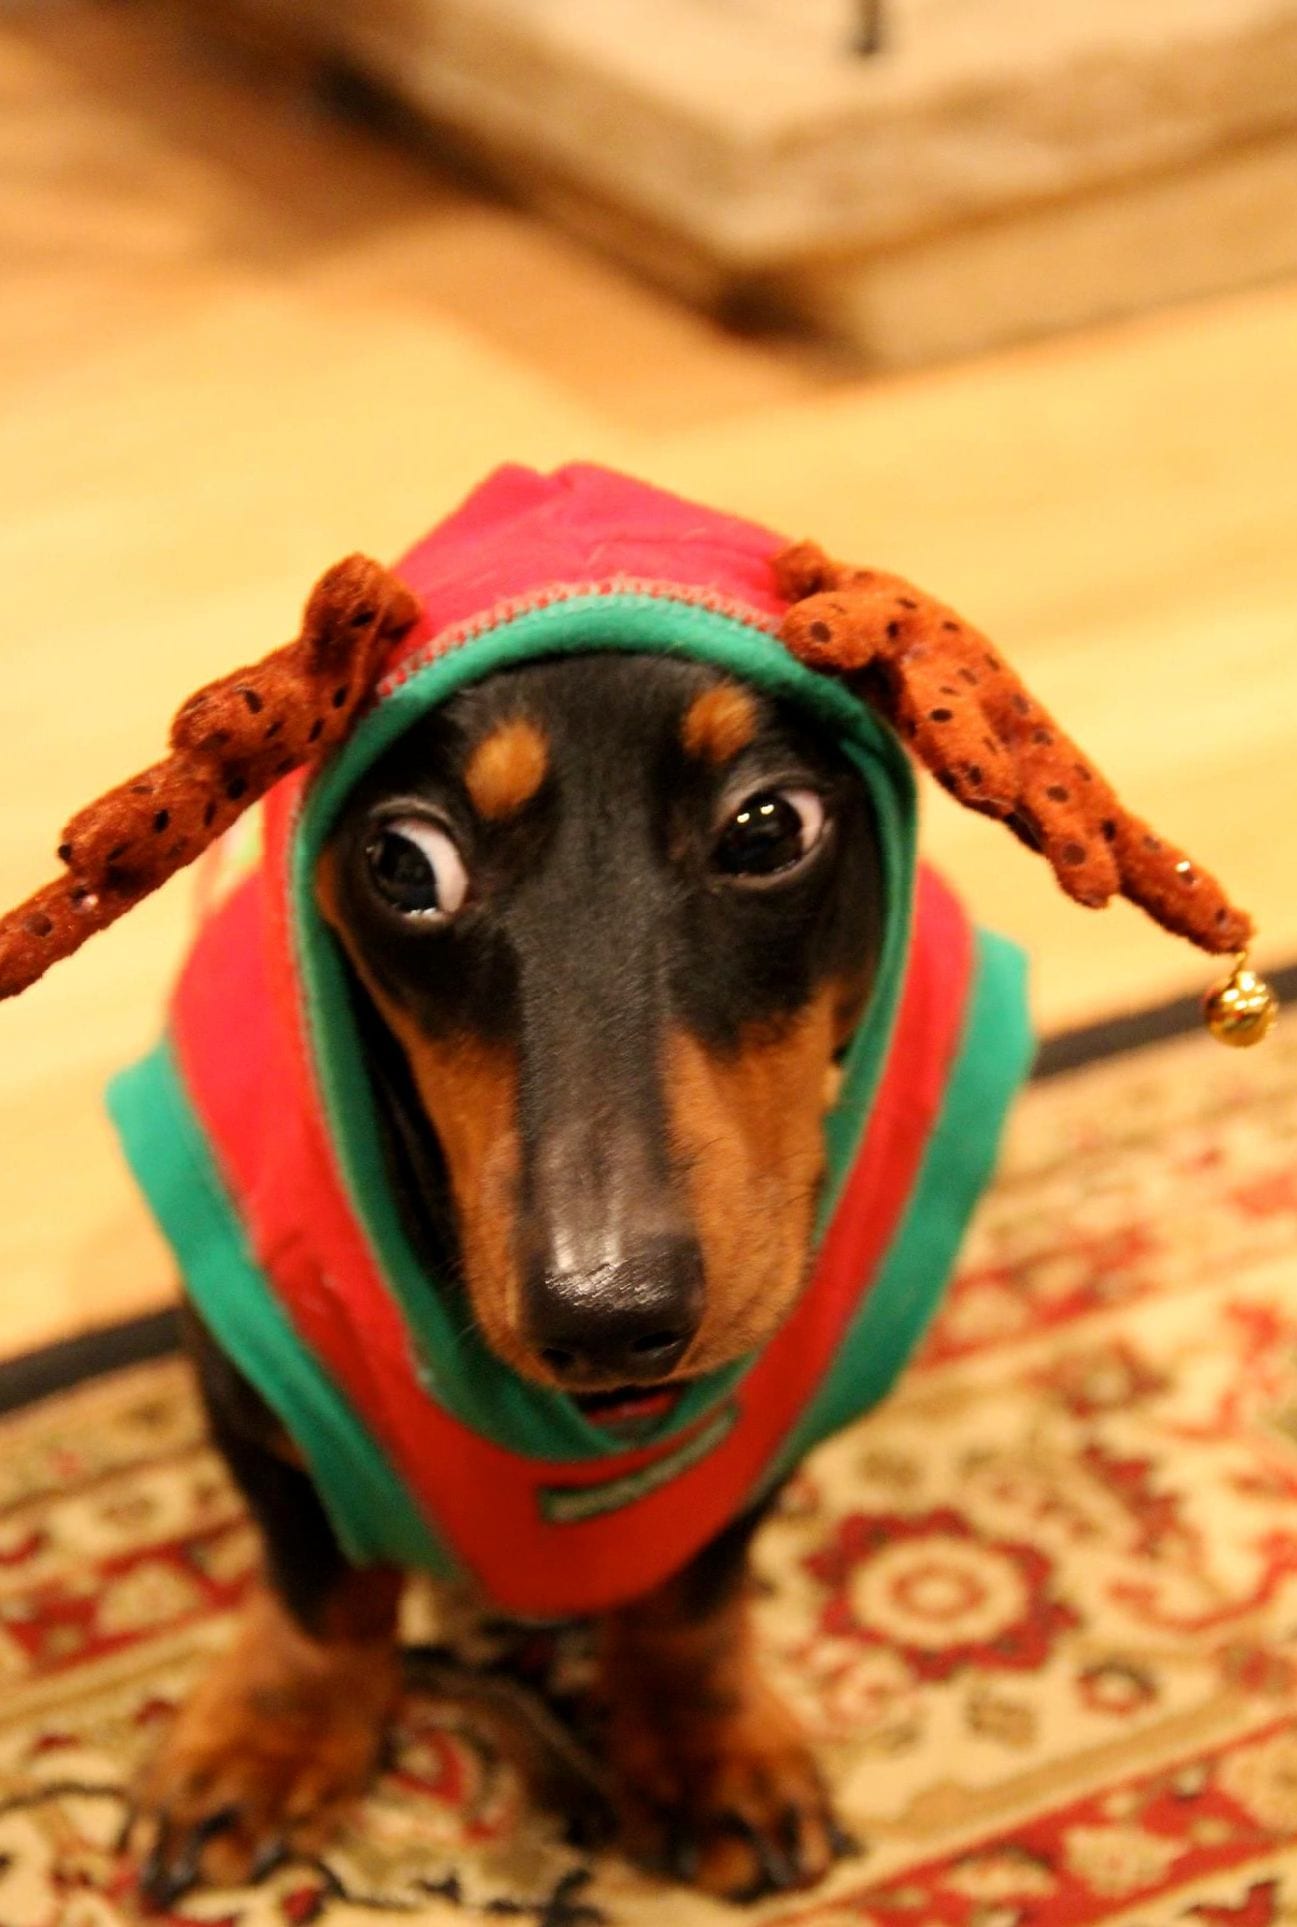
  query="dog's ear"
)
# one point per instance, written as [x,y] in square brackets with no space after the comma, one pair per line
[229,743]
[966,715]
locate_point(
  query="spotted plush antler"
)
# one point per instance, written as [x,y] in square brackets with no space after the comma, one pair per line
[965,713]
[229,742]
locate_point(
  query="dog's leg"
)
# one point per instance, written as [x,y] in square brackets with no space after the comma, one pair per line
[288,1724]
[717,1781]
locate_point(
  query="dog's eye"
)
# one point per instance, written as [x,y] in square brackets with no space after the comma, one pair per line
[416,868]
[769,832]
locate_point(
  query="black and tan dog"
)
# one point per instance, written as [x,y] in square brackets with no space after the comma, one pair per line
[609,922]
[558,1128]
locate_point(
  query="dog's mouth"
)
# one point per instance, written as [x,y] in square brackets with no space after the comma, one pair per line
[629,1408]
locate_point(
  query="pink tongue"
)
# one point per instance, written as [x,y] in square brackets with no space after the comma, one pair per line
[636,1407]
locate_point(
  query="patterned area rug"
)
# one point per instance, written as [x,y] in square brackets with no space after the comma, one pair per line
[1040,1612]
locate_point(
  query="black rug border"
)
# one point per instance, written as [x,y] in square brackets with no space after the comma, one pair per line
[69,1362]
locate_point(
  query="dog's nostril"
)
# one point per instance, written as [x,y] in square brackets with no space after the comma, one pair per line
[655,1342]
[630,1322]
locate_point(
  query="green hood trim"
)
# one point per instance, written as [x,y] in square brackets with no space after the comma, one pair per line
[994,1057]
[455,1366]
[371,1511]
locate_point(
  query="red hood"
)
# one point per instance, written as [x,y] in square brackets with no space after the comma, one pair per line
[521,532]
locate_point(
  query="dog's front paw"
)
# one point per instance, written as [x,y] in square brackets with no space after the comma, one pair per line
[259,1765]
[727,1797]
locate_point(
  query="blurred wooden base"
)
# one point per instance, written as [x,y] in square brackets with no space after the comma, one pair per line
[963,191]
[239,340]
[1229,221]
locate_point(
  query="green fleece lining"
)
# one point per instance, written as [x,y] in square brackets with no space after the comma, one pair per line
[994,1057]
[370,1509]
[455,1365]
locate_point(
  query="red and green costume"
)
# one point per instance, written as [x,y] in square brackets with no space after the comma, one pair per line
[252,1126]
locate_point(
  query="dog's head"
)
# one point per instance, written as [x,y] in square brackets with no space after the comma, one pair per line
[619,915]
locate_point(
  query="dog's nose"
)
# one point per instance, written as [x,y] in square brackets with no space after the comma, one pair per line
[623,1323]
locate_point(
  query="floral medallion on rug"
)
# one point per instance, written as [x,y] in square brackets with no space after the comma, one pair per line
[1039,1612]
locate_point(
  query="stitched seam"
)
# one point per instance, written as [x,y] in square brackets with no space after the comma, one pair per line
[556,593]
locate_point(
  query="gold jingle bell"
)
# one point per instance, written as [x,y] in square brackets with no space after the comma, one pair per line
[1241,1010]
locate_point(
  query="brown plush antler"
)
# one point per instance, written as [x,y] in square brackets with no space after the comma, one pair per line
[950,693]
[229,742]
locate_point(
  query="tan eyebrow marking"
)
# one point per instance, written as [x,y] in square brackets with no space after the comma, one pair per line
[719,723]
[507,768]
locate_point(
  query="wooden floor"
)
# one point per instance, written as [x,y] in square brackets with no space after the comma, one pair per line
[237,340]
